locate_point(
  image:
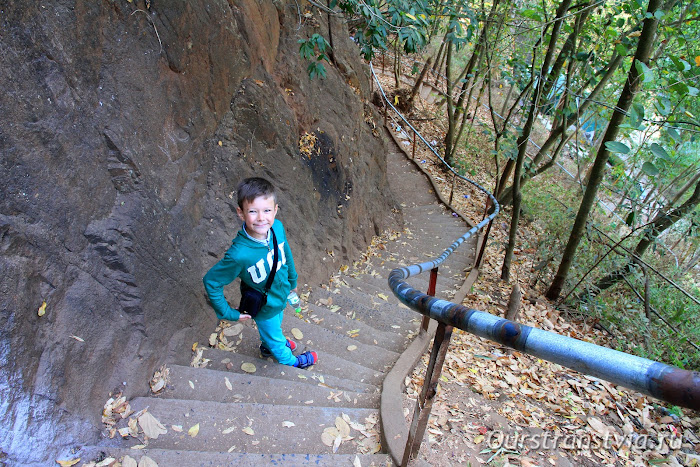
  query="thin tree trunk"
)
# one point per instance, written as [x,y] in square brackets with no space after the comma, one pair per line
[525,136]
[419,82]
[660,224]
[646,41]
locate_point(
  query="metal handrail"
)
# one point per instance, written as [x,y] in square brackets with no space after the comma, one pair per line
[659,380]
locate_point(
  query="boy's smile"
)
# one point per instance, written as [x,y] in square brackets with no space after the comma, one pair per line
[258,216]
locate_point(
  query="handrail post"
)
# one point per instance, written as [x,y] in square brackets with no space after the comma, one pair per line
[477,263]
[424,403]
[431,291]
[413,155]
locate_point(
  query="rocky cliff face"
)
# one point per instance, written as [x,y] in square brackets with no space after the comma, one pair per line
[125,129]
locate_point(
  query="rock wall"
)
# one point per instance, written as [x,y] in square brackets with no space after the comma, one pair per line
[125,129]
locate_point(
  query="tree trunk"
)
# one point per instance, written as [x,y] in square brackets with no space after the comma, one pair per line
[419,82]
[449,103]
[556,132]
[646,41]
[525,136]
[661,222]
[564,54]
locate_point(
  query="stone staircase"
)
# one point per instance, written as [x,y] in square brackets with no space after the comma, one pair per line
[278,414]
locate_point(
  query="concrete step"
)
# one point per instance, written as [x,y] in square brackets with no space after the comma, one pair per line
[167,458]
[374,312]
[231,362]
[326,341]
[248,428]
[335,321]
[332,349]
[371,284]
[204,384]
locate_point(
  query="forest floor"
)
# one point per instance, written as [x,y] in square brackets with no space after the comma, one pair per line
[500,407]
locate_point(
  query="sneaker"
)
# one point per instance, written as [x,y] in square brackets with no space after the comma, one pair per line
[265,352]
[306,359]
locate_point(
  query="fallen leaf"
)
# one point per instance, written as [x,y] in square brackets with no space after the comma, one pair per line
[67,463]
[146,461]
[194,346]
[248,430]
[352,347]
[228,430]
[336,443]
[228,383]
[343,427]
[129,461]
[176,428]
[212,339]
[191,384]
[297,334]
[42,312]
[329,435]
[233,330]
[383,297]
[248,367]
[356,462]
[151,426]
[288,424]
[193,431]
[79,339]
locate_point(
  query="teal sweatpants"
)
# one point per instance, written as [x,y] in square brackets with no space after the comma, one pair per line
[272,337]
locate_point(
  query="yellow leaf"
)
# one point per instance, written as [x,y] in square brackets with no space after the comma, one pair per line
[697,60]
[248,430]
[383,297]
[42,312]
[193,431]
[297,334]
[635,34]
[228,383]
[194,346]
[478,439]
[221,143]
[352,347]
[248,367]
[396,100]
[72,461]
[408,15]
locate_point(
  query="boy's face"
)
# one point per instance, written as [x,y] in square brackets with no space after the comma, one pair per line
[258,216]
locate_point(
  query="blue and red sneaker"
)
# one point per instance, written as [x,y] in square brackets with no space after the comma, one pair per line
[265,352]
[306,359]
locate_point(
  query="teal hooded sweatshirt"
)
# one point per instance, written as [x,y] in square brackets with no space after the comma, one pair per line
[252,262]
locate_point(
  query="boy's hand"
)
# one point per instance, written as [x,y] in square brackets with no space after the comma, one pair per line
[244,317]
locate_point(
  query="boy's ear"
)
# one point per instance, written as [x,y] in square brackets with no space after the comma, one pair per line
[239,211]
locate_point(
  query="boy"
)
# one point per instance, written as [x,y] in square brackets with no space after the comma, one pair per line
[250,258]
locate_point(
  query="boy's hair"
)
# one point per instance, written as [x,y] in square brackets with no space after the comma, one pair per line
[252,187]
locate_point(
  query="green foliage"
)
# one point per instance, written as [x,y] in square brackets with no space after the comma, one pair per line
[314,48]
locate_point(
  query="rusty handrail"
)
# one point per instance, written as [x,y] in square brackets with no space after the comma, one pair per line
[662,381]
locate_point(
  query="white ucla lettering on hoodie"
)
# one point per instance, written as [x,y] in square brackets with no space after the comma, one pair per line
[258,272]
